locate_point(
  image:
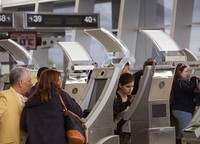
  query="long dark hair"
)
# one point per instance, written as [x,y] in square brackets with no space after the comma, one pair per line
[49,81]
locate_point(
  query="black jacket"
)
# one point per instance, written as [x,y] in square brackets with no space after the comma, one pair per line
[44,122]
[183,95]
[120,106]
[137,77]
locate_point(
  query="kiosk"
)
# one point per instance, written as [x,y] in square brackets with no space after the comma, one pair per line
[78,61]
[99,95]
[191,134]
[149,114]
[19,54]
[158,103]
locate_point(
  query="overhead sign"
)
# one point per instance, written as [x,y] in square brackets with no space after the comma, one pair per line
[41,20]
[6,20]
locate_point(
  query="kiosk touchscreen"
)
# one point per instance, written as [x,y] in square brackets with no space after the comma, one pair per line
[99,85]
[97,102]
[96,88]
[96,92]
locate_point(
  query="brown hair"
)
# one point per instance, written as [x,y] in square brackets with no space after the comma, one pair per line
[179,69]
[40,70]
[126,78]
[49,82]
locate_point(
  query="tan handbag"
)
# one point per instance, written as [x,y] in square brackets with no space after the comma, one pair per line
[75,128]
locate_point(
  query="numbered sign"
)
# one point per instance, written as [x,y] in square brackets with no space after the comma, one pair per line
[41,20]
[6,20]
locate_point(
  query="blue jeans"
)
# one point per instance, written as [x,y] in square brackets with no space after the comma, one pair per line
[183,119]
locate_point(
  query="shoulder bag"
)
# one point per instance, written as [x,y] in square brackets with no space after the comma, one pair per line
[74,127]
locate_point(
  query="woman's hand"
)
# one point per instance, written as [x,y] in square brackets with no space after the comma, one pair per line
[132,97]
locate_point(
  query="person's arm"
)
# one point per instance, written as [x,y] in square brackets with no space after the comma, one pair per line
[3,105]
[137,76]
[188,86]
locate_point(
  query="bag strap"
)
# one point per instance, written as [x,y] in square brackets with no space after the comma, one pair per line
[63,105]
[66,113]
[65,108]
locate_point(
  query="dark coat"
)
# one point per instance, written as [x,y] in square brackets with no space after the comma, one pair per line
[137,77]
[44,122]
[183,95]
[118,105]
[33,88]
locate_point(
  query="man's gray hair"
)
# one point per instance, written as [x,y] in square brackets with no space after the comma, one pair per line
[17,73]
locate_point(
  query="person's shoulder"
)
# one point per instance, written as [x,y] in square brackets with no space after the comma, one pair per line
[117,97]
[65,94]
[2,93]
[5,92]
[182,79]
[62,91]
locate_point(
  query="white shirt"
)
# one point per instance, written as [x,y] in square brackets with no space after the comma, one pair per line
[22,99]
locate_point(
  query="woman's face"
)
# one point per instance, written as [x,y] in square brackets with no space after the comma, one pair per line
[127,88]
[184,73]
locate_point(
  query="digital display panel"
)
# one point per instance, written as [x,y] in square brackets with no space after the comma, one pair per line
[62,20]
[96,92]
[26,39]
[6,20]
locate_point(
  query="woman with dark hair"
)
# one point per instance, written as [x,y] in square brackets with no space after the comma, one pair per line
[183,105]
[122,101]
[123,97]
[42,117]
[40,70]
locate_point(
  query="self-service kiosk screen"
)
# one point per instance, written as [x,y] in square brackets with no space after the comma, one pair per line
[96,92]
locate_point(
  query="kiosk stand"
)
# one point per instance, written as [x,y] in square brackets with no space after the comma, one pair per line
[101,89]
[19,54]
[78,60]
[149,114]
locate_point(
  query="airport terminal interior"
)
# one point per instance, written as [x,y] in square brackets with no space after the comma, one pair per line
[90,41]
